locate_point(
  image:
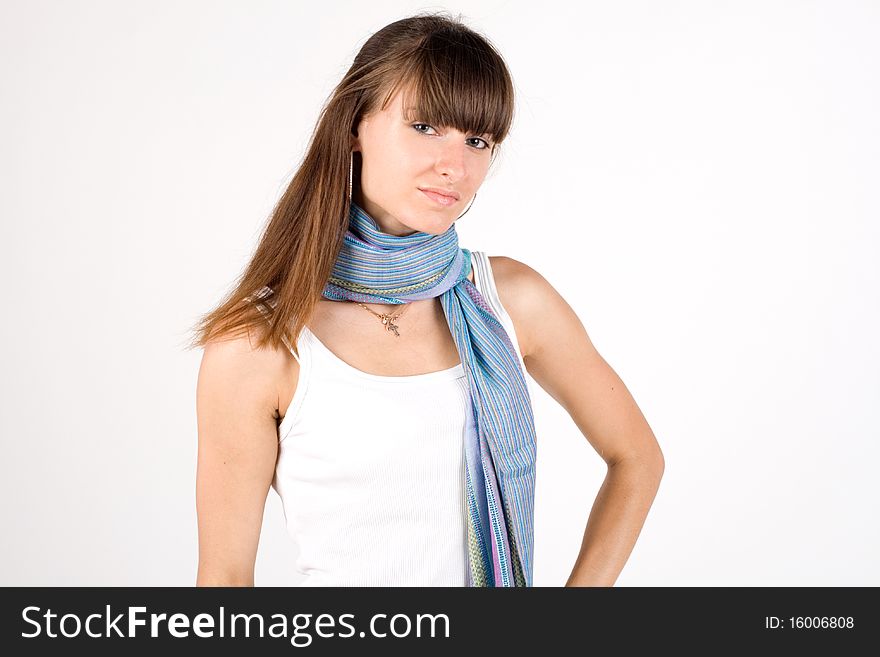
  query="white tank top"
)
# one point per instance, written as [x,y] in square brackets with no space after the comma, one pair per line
[371,469]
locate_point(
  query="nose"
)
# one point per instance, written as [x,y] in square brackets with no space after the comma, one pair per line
[451,157]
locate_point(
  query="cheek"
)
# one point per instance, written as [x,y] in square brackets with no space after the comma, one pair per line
[410,155]
[395,155]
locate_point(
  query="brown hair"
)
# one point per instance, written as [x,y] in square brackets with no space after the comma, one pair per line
[457,79]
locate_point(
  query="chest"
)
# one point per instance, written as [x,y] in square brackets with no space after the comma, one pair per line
[422,343]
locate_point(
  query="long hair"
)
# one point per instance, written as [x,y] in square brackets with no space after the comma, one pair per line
[456,78]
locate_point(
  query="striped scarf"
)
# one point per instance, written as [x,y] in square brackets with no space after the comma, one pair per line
[375,267]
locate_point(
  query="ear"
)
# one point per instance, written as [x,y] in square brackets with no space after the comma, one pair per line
[354,140]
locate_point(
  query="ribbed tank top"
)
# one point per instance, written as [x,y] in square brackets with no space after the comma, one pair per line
[371,469]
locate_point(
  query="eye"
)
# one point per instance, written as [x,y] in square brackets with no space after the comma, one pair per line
[486,143]
[417,127]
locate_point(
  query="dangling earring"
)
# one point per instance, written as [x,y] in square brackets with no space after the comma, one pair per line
[468,207]
[350,176]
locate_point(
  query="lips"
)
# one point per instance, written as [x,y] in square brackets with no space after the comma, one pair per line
[444,192]
[439,197]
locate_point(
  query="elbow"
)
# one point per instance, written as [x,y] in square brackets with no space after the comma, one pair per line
[655,463]
[652,456]
[658,462]
[649,461]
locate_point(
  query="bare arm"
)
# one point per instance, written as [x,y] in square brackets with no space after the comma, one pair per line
[237,402]
[560,356]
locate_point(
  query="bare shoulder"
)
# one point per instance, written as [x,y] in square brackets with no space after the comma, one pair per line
[237,367]
[520,289]
[523,293]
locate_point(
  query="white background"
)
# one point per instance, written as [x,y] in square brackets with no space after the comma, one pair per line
[699,180]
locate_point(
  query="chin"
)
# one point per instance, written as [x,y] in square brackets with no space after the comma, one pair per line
[435,229]
[430,223]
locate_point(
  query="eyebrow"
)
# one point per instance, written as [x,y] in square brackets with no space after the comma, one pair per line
[482,134]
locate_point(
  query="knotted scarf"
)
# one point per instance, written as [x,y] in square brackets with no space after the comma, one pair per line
[376,267]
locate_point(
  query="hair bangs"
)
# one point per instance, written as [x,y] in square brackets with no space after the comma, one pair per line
[456,81]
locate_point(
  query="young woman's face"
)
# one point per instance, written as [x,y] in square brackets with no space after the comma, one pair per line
[400,158]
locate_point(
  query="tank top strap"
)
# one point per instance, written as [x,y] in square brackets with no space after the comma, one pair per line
[264,297]
[484,280]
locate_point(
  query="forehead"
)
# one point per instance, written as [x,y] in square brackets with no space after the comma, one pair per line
[394,109]
[395,104]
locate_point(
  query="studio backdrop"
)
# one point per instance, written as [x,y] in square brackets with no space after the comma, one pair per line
[697,179]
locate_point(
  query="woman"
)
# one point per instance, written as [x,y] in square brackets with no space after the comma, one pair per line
[384,394]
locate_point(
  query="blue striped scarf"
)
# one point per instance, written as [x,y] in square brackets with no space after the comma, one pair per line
[375,267]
